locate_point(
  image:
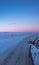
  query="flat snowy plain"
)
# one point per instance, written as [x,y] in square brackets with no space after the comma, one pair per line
[14,49]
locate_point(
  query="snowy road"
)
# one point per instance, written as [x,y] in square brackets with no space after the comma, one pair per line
[20,55]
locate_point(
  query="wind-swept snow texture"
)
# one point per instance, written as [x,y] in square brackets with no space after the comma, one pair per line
[14,49]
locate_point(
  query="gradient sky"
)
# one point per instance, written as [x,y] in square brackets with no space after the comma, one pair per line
[19,16]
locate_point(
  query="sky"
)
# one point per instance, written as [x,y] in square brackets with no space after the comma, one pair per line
[19,16]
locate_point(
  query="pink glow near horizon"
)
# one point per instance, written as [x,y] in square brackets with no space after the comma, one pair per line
[20,30]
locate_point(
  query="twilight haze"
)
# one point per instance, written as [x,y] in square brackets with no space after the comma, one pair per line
[19,16]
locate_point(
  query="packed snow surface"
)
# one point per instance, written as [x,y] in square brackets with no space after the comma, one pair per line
[15,42]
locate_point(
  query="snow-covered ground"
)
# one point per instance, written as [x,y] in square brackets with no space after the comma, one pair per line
[35,55]
[35,49]
[14,49]
[8,40]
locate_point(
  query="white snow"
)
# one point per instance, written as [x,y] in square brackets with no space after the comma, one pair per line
[35,55]
[14,42]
